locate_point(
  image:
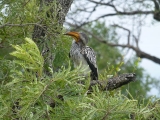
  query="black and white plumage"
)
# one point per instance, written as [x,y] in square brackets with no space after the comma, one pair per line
[82,54]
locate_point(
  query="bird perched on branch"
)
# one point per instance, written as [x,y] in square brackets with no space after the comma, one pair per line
[80,53]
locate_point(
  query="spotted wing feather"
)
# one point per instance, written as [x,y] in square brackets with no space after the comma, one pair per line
[90,57]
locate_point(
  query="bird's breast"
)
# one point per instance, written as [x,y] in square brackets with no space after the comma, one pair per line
[78,58]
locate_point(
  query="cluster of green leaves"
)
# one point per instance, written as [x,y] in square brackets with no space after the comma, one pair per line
[26,92]
[101,105]
[61,51]
[20,17]
[29,86]
[30,93]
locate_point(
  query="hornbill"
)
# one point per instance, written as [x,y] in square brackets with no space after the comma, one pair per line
[80,53]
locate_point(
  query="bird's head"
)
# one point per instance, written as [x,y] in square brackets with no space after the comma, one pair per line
[78,37]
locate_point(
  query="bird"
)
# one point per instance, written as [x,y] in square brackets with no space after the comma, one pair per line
[82,54]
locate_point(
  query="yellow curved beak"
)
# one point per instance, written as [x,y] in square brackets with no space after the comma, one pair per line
[75,35]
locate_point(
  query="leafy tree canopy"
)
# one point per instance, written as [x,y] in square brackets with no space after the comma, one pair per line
[27,92]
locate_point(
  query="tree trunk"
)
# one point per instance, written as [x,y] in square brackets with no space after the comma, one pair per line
[56,14]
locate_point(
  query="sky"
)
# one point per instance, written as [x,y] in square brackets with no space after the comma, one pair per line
[150,43]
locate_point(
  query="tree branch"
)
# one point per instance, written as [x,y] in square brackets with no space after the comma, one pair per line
[19,25]
[129,32]
[115,14]
[110,4]
[120,80]
[114,82]
[139,52]
[157,10]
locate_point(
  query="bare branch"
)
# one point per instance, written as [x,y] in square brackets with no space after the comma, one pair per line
[157,10]
[120,80]
[136,40]
[93,10]
[116,14]
[19,25]
[114,82]
[128,13]
[105,4]
[129,32]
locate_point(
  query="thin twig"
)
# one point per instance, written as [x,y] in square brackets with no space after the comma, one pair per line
[20,25]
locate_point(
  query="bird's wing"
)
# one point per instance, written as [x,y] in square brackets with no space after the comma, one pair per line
[90,57]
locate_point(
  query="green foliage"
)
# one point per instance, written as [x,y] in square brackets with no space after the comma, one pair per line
[29,87]
[102,106]
[17,12]
[61,51]
[6,69]
[26,92]
[29,92]
[29,56]
[19,18]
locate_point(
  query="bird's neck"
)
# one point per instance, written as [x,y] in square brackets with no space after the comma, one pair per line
[79,44]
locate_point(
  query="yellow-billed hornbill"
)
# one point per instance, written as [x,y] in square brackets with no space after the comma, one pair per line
[82,54]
